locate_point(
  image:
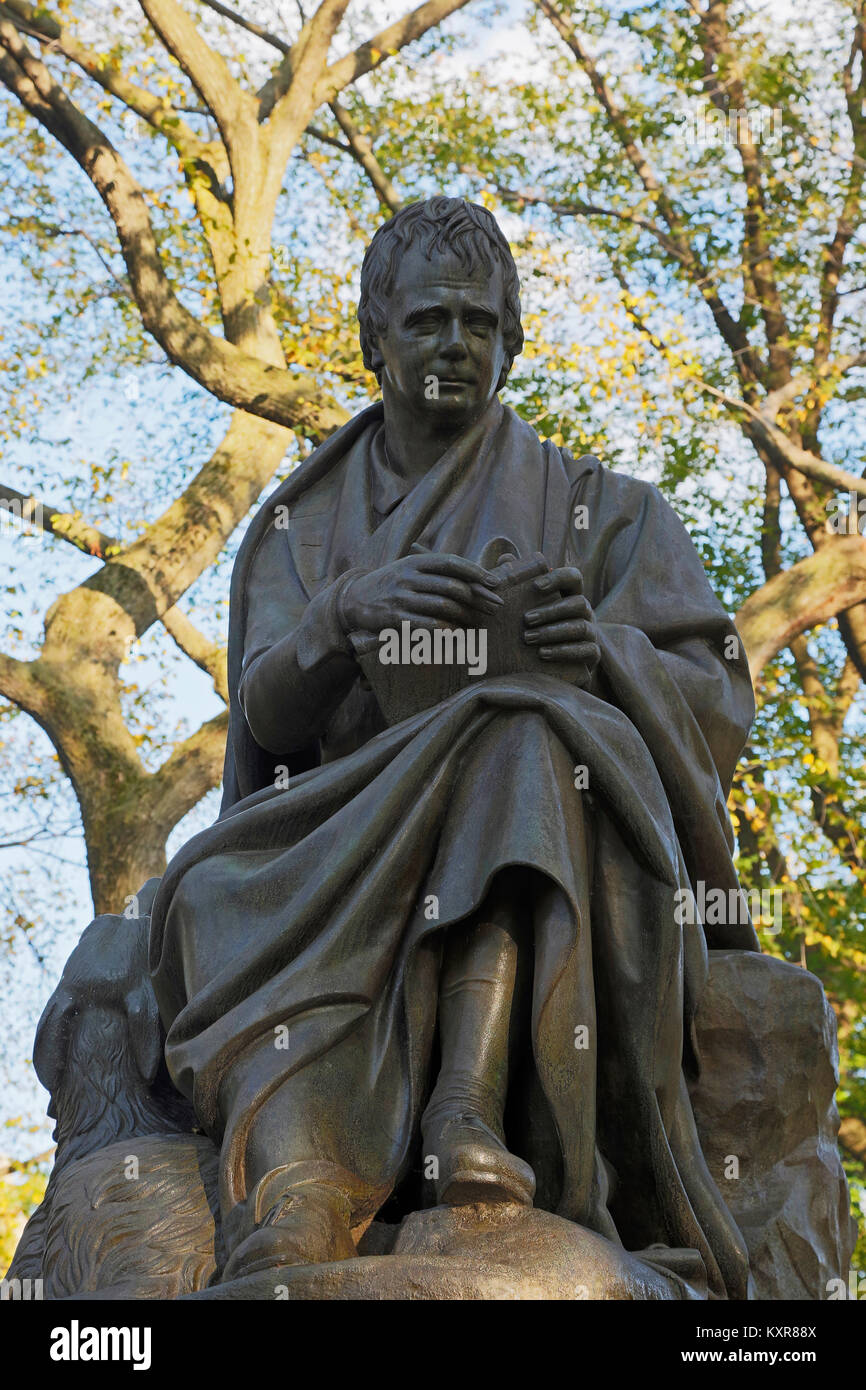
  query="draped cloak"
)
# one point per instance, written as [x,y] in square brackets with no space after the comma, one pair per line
[304,911]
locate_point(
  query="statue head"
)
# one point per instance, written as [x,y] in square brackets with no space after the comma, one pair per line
[439,310]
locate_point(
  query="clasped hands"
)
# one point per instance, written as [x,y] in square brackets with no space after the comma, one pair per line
[430,590]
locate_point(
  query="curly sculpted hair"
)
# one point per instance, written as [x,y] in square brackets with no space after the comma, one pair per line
[437,225]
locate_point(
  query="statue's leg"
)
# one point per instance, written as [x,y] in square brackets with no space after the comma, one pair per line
[463,1122]
[297,1214]
[306,1164]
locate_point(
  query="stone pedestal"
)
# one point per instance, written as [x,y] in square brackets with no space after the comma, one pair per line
[766,1116]
[768,1122]
[478,1252]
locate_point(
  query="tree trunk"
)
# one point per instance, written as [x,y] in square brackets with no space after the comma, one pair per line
[120,859]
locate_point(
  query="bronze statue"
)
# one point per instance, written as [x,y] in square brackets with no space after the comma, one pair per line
[301,981]
[430,954]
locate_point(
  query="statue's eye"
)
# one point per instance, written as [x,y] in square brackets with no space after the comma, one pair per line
[426,322]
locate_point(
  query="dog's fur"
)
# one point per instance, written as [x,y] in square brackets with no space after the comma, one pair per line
[108,1226]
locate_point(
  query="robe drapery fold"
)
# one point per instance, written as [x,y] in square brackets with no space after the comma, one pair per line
[305,910]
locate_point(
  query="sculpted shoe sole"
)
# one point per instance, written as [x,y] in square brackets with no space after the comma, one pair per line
[301,1230]
[475,1166]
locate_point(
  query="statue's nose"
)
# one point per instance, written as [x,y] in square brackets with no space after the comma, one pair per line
[453,345]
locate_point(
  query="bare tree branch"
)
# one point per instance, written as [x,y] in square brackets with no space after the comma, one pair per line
[826,718]
[67,526]
[273,39]
[851,214]
[325,139]
[361,150]
[17,684]
[725,85]
[206,69]
[771,441]
[294,94]
[189,773]
[229,373]
[822,378]
[157,567]
[70,526]
[384,45]
[210,656]
[810,592]
[302,67]
[747,359]
[156,111]
[577,208]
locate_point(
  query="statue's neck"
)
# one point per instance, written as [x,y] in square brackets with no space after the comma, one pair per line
[413,447]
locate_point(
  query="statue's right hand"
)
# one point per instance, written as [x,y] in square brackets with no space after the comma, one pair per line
[426,589]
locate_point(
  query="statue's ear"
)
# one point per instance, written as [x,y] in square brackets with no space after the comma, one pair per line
[503,377]
[377,361]
[51,1046]
[145,1033]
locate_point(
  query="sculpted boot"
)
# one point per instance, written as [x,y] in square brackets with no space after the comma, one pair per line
[462,1126]
[295,1220]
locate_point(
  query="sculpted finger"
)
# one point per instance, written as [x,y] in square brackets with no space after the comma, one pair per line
[440,584]
[567,578]
[458,590]
[413,619]
[576,631]
[488,597]
[574,606]
[457,567]
[445,609]
[578,651]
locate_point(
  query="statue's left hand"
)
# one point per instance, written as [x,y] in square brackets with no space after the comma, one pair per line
[562,624]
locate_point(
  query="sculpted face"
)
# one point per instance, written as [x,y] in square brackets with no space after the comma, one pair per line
[442,358]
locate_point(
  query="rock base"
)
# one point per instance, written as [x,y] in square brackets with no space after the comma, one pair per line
[766,1115]
[764,1110]
[479,1253]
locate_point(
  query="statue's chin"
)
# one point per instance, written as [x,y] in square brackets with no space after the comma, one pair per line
[454,407]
